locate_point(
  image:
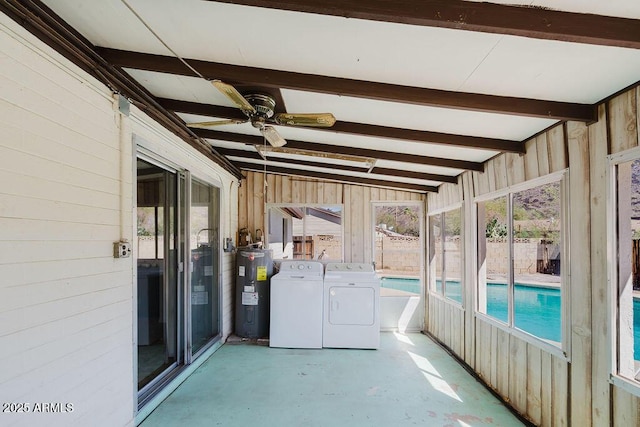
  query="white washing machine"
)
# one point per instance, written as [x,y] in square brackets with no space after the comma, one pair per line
[351,306]
[296,305]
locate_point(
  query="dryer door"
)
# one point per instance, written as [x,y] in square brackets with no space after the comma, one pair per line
[350,305]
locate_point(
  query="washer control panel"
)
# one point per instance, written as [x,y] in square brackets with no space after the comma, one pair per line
[304,267]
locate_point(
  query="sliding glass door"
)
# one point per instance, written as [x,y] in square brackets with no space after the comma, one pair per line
[158,290]
[205,252]
[178,270]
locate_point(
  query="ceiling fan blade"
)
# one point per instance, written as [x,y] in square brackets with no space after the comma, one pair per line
[204,125]
[235,96]
[323,120]
[271,134]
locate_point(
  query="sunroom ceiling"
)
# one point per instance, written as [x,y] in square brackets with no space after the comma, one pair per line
[417,96]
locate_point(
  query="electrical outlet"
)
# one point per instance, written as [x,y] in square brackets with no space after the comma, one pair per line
[121,249]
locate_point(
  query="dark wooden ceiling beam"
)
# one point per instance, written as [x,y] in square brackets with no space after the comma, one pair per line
[352,128]
[255,167]
[254,155]
[349,151]
[356,88]
[525,21]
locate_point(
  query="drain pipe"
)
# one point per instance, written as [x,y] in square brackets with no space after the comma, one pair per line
[122,248]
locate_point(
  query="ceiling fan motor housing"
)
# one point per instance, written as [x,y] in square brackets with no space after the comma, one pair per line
[264,104]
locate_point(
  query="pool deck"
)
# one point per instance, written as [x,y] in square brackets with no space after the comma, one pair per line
[409,381]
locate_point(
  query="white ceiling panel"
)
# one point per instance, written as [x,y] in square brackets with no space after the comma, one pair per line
[411,116]
[182,88]
[544,69]
[108,23]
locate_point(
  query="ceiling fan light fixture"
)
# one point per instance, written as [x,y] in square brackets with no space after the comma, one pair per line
[272,135]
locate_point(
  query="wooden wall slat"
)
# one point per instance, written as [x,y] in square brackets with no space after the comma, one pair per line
[482,346]
[367,232]
[625,409]
[251,205]
[518,374]
[546,400]
[277,196]
[297,190]
[515,168]
[601,342]
[271,188]
[311,192]
[490,172]
[493,364]
[258,200]
[287,194]
[534,383]
[347,218]
[542,150]
[560,392]
[442,321]
[483,180]
[578,146]
[500,170]
[623,121]
[476,183]
[357,214]
[556,149]
[468,274]
[504,360]
[531,160]
[242,206]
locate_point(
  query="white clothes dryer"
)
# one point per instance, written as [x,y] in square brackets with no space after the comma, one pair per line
[351,306]
[296,305]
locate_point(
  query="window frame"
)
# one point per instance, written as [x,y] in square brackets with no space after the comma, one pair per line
[431,284]
[630,385]
[564,349]
[267,222]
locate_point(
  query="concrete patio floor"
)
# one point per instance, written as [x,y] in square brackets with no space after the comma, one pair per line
[409,381]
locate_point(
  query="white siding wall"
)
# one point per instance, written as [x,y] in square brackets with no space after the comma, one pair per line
[66,305]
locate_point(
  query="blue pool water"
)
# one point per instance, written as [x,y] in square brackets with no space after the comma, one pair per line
[537,310]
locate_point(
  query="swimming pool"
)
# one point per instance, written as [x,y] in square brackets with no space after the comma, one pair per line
[537,310]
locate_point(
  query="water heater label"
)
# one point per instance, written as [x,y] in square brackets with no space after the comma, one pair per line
[199,298]
[249,298]
[241,271]
[262,273]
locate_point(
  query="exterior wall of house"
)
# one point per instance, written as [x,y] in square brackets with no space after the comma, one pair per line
[67,316]
[549,388]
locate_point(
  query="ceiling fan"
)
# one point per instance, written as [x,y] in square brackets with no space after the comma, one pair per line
[259,109]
